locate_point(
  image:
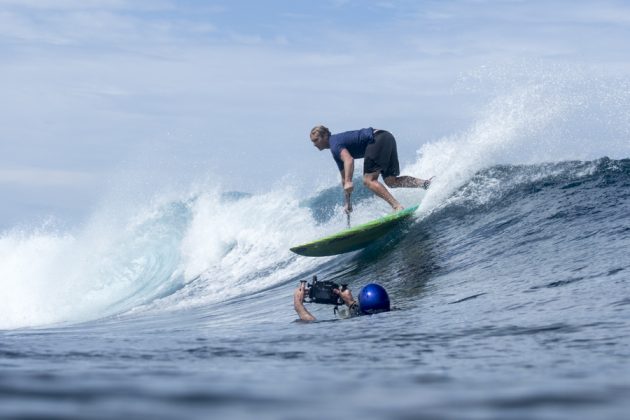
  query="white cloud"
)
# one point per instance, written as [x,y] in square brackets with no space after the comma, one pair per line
[106,24]
[38,177]
[602,14]
[240,38]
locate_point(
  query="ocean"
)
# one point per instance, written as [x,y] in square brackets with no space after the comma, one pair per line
[509,289]
[510,304]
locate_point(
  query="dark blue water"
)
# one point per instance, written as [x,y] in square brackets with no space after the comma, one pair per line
[512,304]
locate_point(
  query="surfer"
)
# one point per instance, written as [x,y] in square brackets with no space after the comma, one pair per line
[378,148]
[373,298]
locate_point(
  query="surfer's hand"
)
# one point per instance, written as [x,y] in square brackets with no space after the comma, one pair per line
[348,187]
[427,183]
[346,296]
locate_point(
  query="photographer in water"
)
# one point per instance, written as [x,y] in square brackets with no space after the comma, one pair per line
[372,299]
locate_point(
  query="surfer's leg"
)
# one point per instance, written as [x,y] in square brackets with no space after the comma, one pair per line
[403,182]
[406,182]
[382,156]
[371,181]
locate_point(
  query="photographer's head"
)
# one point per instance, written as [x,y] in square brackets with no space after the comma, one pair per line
[373,298]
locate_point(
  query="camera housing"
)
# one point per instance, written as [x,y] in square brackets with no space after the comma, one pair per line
[322,292]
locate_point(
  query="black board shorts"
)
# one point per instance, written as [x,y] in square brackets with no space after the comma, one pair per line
[381,155]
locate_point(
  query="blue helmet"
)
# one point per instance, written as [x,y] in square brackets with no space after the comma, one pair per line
[373,299]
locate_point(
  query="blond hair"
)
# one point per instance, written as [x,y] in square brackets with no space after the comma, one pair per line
[320,131]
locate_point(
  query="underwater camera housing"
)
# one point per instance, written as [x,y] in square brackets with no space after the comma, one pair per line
[322,292]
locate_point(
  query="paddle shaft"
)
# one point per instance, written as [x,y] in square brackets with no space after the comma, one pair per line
[348,206]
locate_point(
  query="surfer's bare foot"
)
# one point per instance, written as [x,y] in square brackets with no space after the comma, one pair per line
[398,207]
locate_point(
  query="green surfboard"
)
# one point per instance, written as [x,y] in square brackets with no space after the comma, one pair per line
[354,238]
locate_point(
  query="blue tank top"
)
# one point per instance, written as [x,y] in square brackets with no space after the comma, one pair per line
[354,141]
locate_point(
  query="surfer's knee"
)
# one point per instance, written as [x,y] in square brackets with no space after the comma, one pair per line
[368,180]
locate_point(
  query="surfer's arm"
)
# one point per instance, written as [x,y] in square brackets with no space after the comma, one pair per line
[298,303]
[348,170]
[346,177]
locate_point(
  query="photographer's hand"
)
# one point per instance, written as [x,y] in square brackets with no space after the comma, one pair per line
[298,303]
[346,296]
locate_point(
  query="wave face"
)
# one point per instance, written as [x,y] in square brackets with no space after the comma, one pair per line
[211,247]
[544,225]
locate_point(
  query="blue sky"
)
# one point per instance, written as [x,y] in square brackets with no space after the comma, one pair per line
[96,94]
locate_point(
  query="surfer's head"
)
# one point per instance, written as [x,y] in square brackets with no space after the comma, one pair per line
[320,137]
[373,299]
